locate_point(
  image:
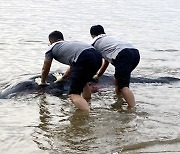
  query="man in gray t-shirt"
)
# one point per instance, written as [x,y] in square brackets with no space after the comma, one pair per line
[122,55]
[84,62]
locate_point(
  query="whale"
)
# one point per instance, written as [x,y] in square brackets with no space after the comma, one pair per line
[30,86]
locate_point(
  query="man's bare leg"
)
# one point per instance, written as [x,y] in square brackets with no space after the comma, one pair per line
[80,102]
[126,93]
[86,94]
[117,91]
[128,96]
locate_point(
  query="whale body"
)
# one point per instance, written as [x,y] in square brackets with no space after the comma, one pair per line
[30,86]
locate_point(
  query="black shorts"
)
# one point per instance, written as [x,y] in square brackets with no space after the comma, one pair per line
[125,62]
[86,66]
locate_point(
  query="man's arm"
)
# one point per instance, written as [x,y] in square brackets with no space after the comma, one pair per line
[45,70]
[101,70]
[67,73]
[60,78]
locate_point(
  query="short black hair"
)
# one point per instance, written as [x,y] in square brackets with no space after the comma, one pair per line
[97,30]
[56,34]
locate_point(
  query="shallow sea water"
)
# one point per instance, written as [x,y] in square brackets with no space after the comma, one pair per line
[46,124]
